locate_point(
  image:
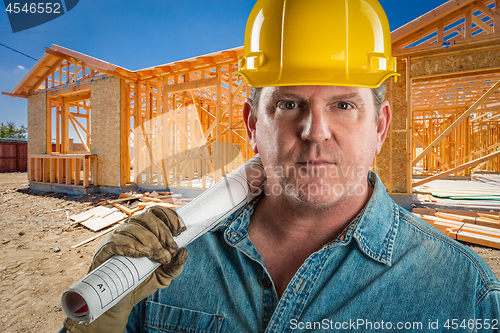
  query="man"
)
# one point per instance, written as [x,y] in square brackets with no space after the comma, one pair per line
[324,248]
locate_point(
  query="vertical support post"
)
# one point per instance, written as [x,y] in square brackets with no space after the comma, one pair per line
[468,24]
[94,175]
[36,167]
[65,127]
[124,134]
[77,171]
[46,170]
[230,150]
[496,9]
[53,170]
[147,136]
[409,128]
[60,170]
[32,169]
[58,130]
[218,136]
[68,170]
[165,134]
[137,131]
[390,185]
[247,146]
[159,131]
[440,34]
[86,171]
[49,125]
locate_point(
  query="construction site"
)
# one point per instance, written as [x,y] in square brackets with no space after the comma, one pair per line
[163,135]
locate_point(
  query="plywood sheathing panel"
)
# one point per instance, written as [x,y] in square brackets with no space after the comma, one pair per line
[37,124]
[399,163]
[400,104]
[447,64]
[382,164]
[391,163]
[106,129]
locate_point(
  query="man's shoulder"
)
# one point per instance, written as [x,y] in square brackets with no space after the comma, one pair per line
[416,235]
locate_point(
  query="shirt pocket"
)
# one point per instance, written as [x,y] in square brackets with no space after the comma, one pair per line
[161,318]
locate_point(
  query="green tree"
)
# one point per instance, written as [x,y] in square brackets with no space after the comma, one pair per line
[10,131]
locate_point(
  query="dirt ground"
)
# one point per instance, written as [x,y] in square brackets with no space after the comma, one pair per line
[37,263]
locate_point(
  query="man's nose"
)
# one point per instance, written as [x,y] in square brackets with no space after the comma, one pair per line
[315,127]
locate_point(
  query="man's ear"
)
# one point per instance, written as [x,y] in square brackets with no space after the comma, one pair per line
[384,120]
[250,123]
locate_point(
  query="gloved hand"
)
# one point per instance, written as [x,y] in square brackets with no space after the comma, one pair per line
[147,234]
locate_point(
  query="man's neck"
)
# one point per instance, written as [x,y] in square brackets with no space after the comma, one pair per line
[285,235]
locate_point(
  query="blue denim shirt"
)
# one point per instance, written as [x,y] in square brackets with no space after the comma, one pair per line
[388,271]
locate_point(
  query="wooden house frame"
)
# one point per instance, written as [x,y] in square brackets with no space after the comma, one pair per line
[449,61]
[178,124]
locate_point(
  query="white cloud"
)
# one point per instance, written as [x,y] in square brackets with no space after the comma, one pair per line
[21,67]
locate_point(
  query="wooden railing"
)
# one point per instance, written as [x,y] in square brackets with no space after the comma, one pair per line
[74,169]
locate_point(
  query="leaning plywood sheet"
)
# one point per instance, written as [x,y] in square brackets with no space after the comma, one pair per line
[100,211]
[98,223]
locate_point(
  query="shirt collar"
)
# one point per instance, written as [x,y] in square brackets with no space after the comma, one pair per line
[374,228]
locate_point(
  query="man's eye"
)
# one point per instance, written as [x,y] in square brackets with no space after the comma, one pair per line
[288,105]
[344,105]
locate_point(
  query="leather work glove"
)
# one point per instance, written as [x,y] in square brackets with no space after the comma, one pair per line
[147,234]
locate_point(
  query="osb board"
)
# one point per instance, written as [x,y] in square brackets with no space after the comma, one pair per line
[382,163]
[399,164]
[105,125]
[456,63]
[37,124]
[398,95]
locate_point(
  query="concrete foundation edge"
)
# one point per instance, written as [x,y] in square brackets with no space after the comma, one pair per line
[78,190]
[185,192]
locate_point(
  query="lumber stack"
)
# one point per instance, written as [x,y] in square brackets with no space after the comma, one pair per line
[111,213]
[472,227]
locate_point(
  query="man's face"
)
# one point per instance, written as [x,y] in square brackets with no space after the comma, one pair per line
[317,142]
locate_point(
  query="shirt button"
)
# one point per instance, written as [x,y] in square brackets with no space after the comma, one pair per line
[234,234]
[266,282]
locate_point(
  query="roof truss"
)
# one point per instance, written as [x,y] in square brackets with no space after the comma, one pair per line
[455,23]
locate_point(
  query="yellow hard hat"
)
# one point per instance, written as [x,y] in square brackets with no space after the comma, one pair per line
[317,42]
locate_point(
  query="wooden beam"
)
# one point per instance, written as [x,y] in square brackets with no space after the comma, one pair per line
[124,133]
[137,129]
[45,76]
[482,25]
[491,13]
[14,95]
[400,35]
[101,66]
[57,54]
[48,132]
[470,164]
[77,97]
[457,122]
[70,89]
[78,133]
[468,23]
[65,127]
[73,116]
[190,85]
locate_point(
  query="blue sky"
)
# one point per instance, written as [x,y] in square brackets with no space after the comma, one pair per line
[139,34]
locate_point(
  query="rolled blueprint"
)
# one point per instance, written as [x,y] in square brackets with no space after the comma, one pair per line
[97,292]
